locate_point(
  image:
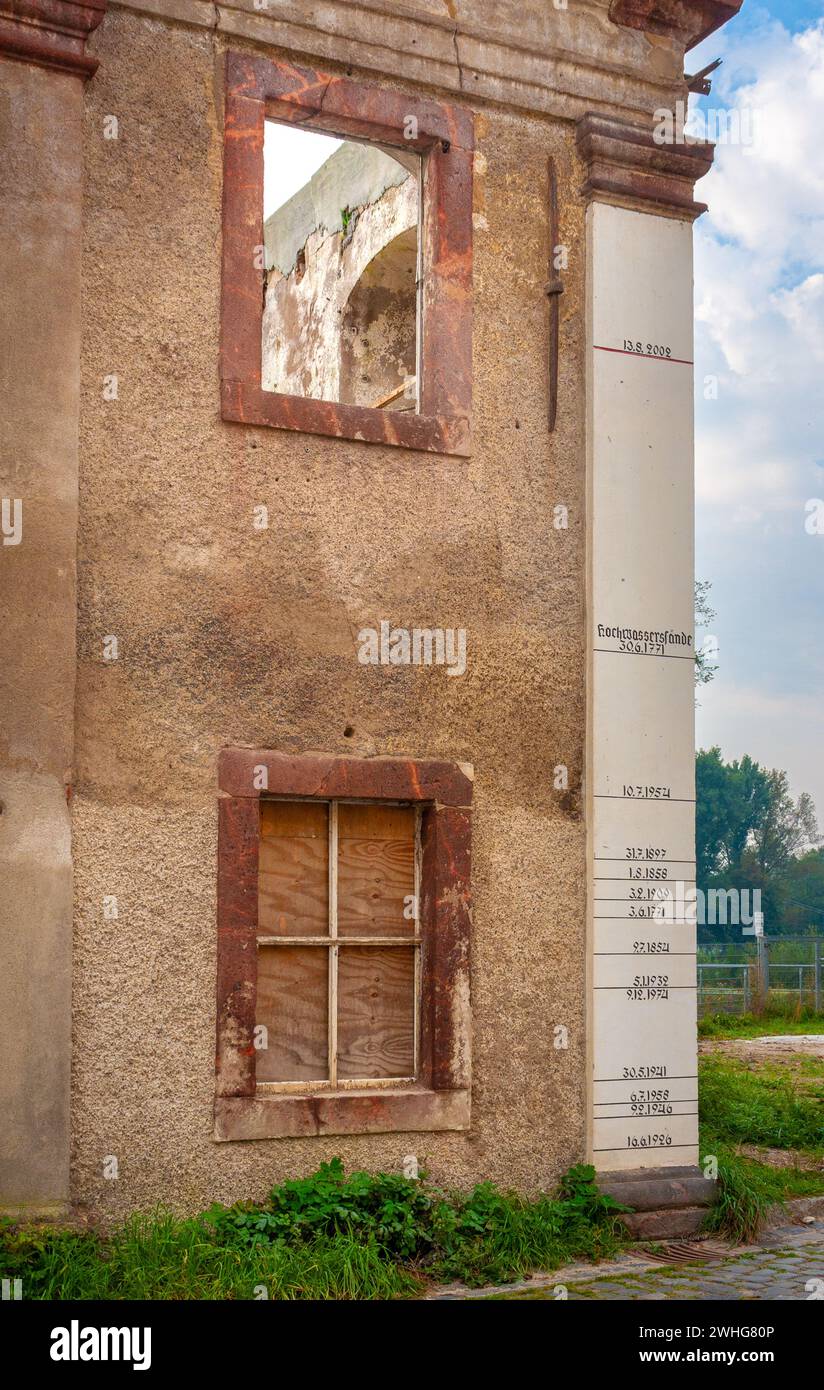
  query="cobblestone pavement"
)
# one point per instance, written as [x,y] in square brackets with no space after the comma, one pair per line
[784,1272]
[787,1264]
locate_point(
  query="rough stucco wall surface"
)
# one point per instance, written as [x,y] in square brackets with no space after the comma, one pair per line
[229,635]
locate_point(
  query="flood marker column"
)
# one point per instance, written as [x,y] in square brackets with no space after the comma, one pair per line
[640,729]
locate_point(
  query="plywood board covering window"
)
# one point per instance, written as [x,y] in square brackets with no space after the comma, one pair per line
[338,944]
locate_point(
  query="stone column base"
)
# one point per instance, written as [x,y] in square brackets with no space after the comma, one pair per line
[667,1203]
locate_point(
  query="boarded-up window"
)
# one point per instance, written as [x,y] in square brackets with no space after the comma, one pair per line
[337,944]
[343,925]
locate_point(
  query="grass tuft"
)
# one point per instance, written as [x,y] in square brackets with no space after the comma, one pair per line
[747,1190]
[738,1105]
[771,1021]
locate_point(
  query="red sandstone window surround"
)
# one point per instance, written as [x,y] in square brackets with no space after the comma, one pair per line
[341,106]
[435,1094]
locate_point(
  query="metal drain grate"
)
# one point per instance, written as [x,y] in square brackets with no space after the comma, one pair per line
[685,1252]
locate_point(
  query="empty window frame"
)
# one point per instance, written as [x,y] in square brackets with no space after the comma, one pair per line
[343,945]
[442,137]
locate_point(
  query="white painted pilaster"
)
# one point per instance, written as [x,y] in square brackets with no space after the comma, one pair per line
[640,772]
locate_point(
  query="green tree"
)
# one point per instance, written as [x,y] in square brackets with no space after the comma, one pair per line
[752,834]
[732,801]
[802,894]
[704,616]
[787,828]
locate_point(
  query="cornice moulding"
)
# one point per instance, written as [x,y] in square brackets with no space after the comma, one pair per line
[51,33]
[624,164]
[537,64]
[688,20]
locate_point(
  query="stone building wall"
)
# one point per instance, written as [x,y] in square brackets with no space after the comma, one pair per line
[232,635]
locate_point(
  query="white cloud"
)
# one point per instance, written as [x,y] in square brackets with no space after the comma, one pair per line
[760,287]
[803,308]
[760,444]
[769,195]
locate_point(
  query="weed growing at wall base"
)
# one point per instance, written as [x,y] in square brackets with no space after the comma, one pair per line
[327,1236]
[747,1190]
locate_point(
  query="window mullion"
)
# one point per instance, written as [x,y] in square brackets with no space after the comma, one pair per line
[333,949]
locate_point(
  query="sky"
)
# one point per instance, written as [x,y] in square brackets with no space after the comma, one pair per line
[290,157]
[759,305]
